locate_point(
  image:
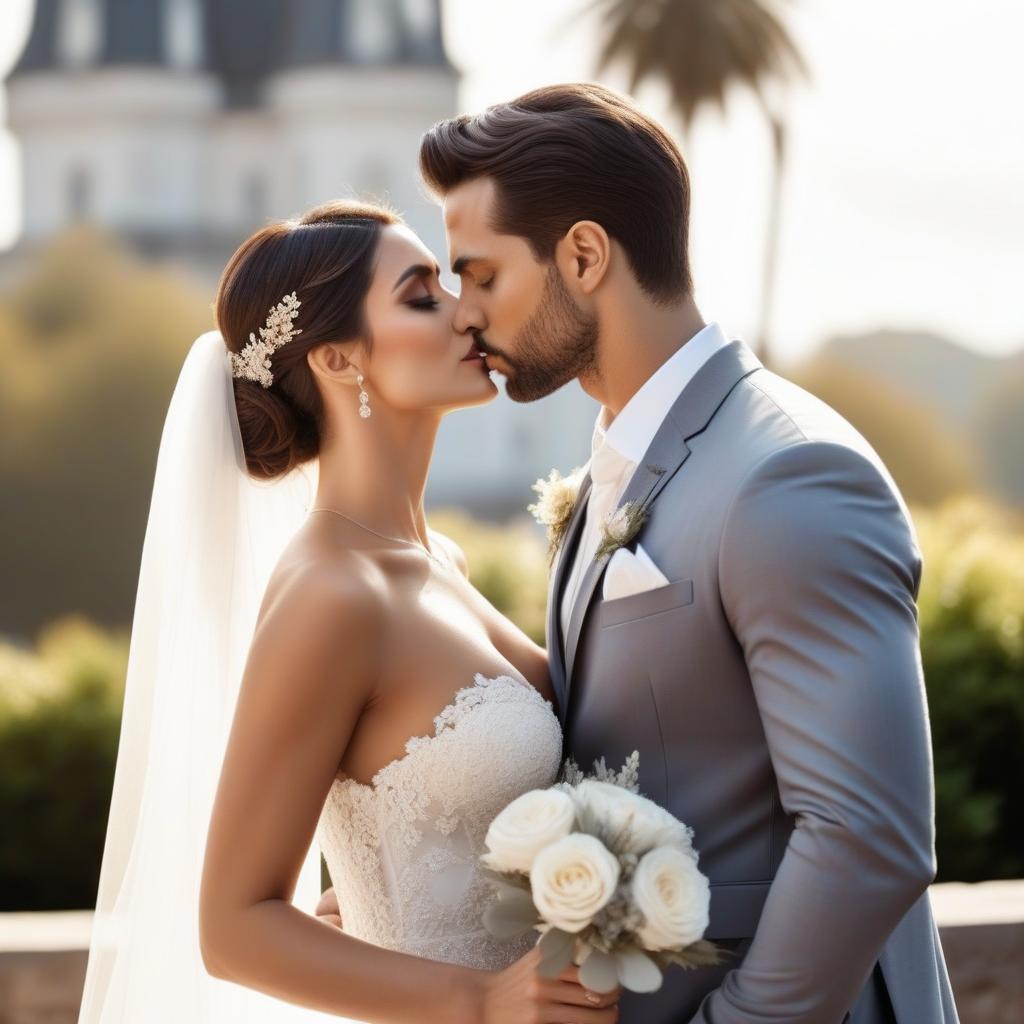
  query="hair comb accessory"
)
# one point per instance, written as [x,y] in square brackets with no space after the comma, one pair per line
[253,362]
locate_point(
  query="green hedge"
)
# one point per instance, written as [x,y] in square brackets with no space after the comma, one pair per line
[60,706]
[972,646]
[60,715]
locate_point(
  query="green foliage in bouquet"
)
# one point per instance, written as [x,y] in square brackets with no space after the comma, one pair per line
[608,949]
[609,960]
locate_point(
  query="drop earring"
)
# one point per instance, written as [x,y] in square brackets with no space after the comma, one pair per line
[364,398]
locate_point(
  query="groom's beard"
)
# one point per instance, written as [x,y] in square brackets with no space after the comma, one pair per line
[557,344]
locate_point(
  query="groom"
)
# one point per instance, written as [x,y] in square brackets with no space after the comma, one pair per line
[756,639]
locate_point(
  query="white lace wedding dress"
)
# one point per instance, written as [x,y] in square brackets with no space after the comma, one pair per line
[403,851]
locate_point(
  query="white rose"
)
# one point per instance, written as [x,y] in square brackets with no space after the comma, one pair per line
[531,822]
[674,898]
[633,823]
[572,880]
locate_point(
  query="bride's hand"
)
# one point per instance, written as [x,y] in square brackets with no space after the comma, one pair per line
[519,995]
[327,909]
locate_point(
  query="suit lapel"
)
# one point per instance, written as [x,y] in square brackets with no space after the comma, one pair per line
[689,414]
[563,561]
[667,452]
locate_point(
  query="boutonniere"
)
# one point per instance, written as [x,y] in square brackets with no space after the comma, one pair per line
[620,526]
[555,505]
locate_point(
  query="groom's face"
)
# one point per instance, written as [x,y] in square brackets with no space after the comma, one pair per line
[517,307]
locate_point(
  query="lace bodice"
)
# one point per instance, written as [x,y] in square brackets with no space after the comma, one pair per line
[403,851]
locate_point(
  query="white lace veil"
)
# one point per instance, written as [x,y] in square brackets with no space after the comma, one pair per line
[212,539]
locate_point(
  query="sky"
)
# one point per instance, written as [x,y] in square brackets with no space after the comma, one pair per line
[902,205]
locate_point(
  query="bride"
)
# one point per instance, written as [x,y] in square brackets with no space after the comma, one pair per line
[311,670]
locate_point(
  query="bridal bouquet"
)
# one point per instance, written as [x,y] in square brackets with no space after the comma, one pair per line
[606,876]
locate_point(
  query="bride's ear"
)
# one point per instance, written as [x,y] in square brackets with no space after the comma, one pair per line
[331,363]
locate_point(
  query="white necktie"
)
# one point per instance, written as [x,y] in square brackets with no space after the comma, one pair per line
[609,471]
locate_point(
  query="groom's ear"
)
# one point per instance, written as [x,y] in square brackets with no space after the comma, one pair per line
[583,255]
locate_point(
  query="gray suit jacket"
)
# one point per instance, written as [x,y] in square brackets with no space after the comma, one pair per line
[774,691]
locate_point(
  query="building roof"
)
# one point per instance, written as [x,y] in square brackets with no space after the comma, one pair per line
[243,40]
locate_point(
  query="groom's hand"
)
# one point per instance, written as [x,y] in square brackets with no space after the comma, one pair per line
[327,909]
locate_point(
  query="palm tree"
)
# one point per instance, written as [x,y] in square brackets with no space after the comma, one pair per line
[700,49]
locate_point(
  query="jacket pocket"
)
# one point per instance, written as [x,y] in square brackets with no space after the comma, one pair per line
[736,908]
[650,602]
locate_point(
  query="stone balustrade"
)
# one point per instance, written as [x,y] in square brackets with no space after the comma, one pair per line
[43,956]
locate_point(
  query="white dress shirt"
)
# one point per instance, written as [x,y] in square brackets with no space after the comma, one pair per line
[618,445]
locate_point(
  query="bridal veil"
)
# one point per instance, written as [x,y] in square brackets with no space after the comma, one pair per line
[212,539]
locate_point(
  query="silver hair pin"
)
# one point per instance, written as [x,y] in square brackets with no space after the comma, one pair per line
[253,362]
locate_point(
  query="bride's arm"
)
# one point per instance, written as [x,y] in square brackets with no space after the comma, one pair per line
[309,673]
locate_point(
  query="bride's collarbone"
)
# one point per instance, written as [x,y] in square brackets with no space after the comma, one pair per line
[440,634]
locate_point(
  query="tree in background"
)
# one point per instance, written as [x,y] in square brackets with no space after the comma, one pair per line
[701,49]
[91,341]
[1000,425]
[928,457]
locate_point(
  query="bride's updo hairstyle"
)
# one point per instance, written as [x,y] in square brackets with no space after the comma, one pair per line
[326,257]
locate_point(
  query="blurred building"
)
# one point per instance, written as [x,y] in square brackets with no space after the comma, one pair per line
[185,124]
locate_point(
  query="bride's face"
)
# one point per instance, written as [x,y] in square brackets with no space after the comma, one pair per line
[417,360]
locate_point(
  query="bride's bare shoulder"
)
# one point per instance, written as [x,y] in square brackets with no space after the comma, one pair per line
[341,578]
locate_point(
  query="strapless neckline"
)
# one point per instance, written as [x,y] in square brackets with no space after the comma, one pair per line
[403,851]
[442,719]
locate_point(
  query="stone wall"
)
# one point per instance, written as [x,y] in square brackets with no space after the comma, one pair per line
[42,956]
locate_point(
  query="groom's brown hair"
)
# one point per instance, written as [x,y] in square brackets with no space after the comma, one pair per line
[566,153]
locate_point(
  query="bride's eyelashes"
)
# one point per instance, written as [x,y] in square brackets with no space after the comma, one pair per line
[422,298]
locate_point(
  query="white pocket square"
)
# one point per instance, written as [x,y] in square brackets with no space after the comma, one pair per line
[630,573]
